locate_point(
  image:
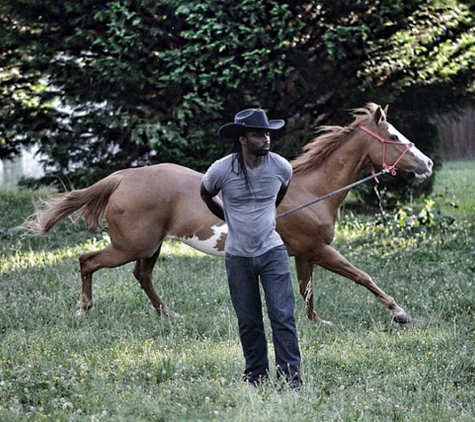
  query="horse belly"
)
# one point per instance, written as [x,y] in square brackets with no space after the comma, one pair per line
[212,244]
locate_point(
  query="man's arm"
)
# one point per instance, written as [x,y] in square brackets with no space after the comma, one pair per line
[281,194]
[213,202]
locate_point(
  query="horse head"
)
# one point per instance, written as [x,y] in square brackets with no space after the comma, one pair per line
[389,147]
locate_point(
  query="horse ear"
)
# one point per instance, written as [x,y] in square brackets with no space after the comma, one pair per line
[386,110]
[379,115]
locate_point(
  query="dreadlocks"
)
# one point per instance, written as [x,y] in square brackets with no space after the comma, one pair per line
[237,165]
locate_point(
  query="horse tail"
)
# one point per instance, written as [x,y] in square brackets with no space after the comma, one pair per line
[89,204]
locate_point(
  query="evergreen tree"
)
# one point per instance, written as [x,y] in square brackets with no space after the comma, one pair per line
[102,85]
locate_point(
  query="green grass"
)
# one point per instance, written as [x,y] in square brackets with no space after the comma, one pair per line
[123,362]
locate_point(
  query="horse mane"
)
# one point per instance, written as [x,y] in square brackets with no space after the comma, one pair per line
[329,138]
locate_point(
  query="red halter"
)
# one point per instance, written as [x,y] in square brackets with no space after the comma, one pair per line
[386,168]
[389,168]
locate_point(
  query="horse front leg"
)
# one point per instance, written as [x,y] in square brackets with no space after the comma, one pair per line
[330,259]
[304,276]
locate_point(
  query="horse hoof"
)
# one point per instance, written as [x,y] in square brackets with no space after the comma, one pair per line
[80,313]
[402,319]
[318,320]
[173,314]
[165,311]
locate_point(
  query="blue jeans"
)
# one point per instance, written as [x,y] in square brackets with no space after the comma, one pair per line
[272,268]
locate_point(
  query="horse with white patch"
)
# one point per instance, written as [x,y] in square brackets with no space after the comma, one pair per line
[148,205]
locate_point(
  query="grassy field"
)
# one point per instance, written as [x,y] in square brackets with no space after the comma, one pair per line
[123,362]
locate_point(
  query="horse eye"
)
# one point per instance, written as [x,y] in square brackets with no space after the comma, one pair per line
[393,137]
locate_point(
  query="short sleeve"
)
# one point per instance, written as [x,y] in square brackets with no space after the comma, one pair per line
[212,180]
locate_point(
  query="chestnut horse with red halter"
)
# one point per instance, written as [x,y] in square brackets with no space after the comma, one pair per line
[145,206]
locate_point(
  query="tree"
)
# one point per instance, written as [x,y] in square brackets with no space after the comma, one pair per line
[103,85]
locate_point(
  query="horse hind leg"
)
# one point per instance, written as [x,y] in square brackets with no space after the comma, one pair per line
[89,263]
[143,273]
[304,276]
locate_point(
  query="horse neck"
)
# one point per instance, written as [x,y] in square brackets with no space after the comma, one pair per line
[340,169]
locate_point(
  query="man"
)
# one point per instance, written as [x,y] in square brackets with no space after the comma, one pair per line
[253,182]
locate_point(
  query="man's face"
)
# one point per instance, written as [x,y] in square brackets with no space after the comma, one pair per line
[258,142]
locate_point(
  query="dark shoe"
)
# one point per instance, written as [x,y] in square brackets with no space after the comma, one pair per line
[255,381]
[294,384]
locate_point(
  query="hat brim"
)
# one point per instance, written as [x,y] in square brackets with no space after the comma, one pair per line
[234,130]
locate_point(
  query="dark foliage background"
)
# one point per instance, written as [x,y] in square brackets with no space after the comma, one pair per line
[103,85]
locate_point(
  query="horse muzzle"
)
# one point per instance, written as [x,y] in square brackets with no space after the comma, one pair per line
[423,172]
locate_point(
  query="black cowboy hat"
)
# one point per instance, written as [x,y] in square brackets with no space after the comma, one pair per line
[250,119]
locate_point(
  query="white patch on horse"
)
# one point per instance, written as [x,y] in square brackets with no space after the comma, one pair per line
[418,154]
[208,246]
[393,131]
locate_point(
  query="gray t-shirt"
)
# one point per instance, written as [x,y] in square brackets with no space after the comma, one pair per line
[250,213]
